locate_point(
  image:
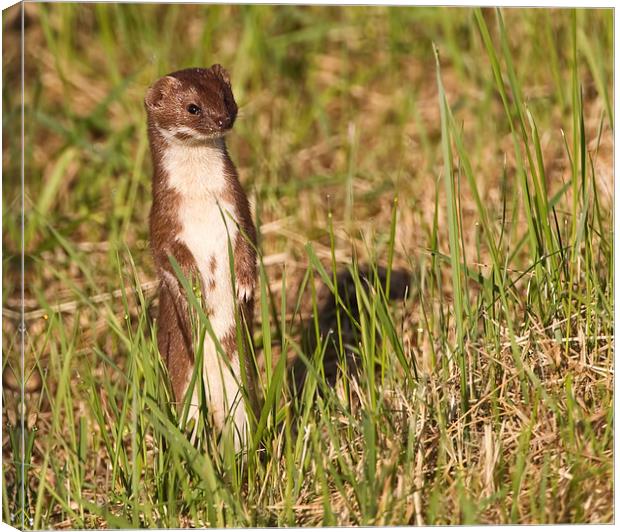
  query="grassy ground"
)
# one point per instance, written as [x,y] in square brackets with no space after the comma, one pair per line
[436,237]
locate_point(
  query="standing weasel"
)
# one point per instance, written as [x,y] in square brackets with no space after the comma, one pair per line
[199,212]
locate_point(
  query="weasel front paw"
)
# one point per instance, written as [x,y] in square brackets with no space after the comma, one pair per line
[245,292]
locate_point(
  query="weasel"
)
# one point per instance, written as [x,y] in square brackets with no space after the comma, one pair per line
[199,212]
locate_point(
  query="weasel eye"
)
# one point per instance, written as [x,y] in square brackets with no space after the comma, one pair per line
[193,109]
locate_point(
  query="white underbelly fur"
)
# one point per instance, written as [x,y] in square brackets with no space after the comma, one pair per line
[207,230]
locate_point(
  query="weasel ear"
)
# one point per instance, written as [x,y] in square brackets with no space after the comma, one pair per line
[221,72]
[159,90]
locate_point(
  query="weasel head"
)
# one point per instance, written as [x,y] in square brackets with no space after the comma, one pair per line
[192,106]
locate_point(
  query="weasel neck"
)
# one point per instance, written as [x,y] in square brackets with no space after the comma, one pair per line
[193,170]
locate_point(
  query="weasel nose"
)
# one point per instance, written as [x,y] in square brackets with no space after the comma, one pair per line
[224,122]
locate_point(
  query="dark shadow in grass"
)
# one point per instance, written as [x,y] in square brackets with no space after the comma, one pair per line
[333,362]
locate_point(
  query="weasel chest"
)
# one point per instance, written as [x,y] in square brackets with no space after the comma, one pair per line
[209,231]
